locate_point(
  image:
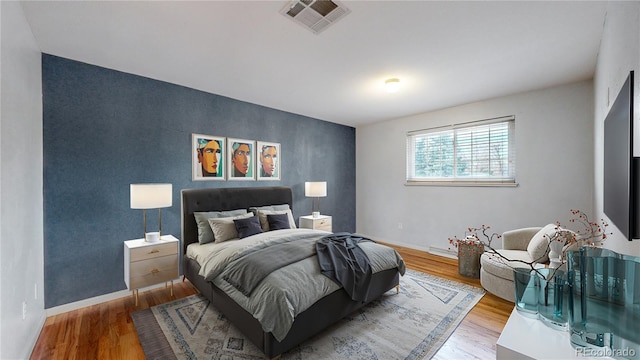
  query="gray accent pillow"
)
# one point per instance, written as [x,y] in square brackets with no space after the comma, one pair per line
[205,235]
[224,228]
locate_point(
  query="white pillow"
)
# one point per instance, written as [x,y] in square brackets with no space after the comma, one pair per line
[264,222]
[538,247]
[224,228]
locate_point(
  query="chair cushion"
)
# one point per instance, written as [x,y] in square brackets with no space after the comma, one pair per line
[497,266]
[538,247]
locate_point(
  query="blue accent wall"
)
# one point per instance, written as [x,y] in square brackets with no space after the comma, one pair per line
[105,129]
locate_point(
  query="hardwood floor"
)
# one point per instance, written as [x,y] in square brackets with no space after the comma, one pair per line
[476,336]
[106,331]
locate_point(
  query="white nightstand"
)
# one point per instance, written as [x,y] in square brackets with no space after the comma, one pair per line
[149,263]
[322,222]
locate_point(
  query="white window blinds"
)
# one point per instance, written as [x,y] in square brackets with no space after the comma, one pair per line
[480,152]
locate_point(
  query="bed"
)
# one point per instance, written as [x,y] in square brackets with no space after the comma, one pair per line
[316,317]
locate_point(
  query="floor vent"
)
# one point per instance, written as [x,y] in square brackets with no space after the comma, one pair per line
[315,15]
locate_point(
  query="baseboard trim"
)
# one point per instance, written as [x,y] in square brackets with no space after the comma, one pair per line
[396,243]
[98,299]
[431,249]
[443,252]
[34,338]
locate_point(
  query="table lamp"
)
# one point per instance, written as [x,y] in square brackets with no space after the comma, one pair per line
[315,189]
[151,196]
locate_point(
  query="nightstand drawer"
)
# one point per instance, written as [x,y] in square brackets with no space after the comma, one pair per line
[326,227]
[155,251]
[153,271]
[323,222]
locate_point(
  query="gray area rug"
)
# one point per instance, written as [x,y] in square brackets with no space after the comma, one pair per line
[410,325]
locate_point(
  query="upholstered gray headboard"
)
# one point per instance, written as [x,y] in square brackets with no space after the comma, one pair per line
[221,199]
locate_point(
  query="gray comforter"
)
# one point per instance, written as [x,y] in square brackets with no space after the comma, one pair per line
[247,271]
[278,298]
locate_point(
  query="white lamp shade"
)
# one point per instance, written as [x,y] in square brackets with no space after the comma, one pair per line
[315,189]
[151,196]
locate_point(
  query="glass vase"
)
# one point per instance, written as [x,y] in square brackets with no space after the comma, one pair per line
[553,298]
[526,284]
[604,302]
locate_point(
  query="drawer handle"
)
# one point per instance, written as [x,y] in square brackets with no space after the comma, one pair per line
[155,271]
[154,251]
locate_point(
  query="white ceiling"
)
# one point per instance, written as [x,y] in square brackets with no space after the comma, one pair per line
[445,53]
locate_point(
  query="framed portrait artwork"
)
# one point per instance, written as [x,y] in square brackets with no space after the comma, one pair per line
[241,159]
[207,157]
[268,156]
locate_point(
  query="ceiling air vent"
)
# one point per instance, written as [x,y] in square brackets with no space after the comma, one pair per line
[315,15]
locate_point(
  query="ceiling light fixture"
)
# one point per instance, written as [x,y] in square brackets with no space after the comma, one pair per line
[392,85]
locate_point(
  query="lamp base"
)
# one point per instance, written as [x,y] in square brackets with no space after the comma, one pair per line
[152,236]
[315,214]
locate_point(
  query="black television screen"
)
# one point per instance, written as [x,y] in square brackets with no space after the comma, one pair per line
[620,167]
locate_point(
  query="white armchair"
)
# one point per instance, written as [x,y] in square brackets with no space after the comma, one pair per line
[526,244]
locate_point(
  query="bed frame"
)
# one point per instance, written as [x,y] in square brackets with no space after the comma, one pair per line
[319,316]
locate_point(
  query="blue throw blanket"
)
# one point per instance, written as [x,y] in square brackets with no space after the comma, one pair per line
[342,260]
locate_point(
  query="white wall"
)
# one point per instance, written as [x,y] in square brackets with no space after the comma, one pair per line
[554,154]
[619,53]
[21,214]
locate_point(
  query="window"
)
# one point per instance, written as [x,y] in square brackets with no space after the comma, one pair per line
[478,153]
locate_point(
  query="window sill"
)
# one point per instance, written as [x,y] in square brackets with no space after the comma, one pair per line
[462,183]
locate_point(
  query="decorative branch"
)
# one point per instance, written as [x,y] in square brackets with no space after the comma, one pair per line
[591,234]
